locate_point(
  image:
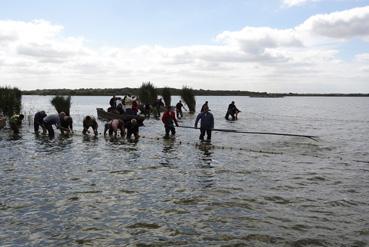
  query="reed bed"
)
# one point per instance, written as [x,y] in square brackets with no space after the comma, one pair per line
[188,96]
[166,93]
[62,104]
[147,93]
[10,101]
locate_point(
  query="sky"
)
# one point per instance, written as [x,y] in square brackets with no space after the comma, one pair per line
[276,46]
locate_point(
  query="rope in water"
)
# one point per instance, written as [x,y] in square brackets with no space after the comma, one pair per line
[256,133]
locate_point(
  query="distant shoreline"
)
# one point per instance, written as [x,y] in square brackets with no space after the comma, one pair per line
[197,92]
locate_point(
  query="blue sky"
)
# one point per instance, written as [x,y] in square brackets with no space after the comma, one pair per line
[192,41]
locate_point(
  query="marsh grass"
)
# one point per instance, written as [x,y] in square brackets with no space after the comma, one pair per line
[147,93]
[62,104]
[167,95]
[10,100]
[188,97]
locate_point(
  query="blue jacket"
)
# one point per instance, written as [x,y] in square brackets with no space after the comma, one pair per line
[207,120]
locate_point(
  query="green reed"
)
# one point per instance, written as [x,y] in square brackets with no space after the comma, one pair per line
[188,96]
[147,93]
[62,104]
[10,100]
[166,93]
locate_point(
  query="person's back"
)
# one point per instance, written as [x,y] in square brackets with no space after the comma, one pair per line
[132,128]
[39,121]
[179,106]
[52,119]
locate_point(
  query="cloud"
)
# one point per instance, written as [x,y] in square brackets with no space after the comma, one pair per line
[293,3]
[37,54]
[339,25]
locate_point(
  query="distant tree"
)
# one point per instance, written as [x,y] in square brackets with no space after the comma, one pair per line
[188,97]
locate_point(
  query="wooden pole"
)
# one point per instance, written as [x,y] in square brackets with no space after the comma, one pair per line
[255,132]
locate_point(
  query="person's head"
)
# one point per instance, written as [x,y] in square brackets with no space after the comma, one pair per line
[88,118]
[62,115]
[180,101]
[206,102]
[133,121]
[206,109]
[68,120]
[114,96]
[21,116]
[232,102]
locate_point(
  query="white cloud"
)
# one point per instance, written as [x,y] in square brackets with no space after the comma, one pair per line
[37,55]
[293,3]
[339,25]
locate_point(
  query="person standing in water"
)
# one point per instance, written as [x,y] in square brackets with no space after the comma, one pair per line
[169,119]
[207,123]
[179,112]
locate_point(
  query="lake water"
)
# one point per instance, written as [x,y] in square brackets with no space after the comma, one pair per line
[244,190]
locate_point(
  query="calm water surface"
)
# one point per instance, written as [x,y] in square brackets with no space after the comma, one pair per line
[245,190]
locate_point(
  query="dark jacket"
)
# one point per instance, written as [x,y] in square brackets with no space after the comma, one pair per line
[207,120]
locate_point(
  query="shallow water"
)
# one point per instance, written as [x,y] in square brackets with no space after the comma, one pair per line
[251,190]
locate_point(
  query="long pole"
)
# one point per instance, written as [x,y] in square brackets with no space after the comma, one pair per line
[255,132]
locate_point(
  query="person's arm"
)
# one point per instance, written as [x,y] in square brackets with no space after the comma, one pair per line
[106,128]
[174,119]
[71,125]
[197,120]
[212,121]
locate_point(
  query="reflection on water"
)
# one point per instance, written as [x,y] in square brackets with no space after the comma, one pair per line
[238,190]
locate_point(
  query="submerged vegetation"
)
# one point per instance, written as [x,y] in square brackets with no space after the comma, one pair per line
[147,93]
[188,97]
[167,95]
[10,100]
[62,104]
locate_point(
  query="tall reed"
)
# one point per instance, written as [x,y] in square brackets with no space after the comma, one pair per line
[10,100]
[188,97]
[62,104]
[167,95]
[147,93]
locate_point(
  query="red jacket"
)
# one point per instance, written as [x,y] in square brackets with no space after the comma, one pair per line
[168,118]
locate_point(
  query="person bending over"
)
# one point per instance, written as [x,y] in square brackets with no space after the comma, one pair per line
[38,121]
[113,126]
[15,122]
[90,122]
[132,129]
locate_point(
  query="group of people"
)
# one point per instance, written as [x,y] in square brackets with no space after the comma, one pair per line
[118,105]
[46,122]
[115,125]
[205,117]
[65,123]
